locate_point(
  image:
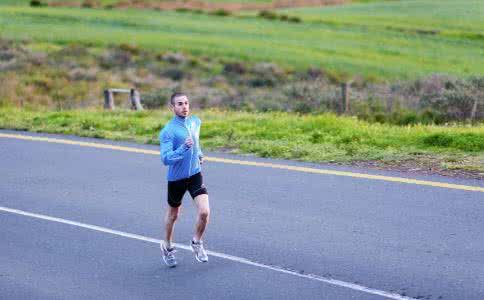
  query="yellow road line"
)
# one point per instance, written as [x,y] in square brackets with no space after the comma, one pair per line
[256,164]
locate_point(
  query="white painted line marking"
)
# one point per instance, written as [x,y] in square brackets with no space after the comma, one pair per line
[241,260]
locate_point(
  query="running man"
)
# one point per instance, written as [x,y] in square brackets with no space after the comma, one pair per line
[180,150]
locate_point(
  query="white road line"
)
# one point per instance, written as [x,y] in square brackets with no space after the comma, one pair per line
[241,260]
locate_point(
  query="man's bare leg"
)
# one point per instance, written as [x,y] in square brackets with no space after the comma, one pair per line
[203,212]
[171,216]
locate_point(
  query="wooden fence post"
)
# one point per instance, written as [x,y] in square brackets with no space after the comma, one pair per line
[135,100]
[474,110]
[389,104]
[133,97]
[345,99]
[108,99]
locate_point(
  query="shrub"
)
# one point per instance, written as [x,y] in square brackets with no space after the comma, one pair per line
[37,3]
[83,74]
[379,117]
[37,59]
[6,55]
[115,58]
[235,68]
[311,96]
[72,50]
[174,74]
[269,15]
[436,99]
[266,14]
[182,10]
[370,109]
[438,140]
[266,105]
[90,3]
[464,141]
[173,58]
[469,141]
[317,137]
[194,62]
[284,17]
[431,117]
[156,99]
[266,74]
[407,118]
[451,97]
[133,49]
[313,73]
[42,82]
[203,97]
[304,106]
[90,124]
[268,81]
[221,13]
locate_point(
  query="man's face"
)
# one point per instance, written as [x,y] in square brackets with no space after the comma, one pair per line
[181,106]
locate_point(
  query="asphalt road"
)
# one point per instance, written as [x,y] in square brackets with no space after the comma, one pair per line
[276,233]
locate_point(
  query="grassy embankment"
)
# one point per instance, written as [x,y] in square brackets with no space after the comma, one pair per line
[338,43]
[318,138]
[368,49]
[138,3]
[458,19]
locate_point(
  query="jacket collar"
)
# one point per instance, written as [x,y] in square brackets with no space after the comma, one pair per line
[180,120]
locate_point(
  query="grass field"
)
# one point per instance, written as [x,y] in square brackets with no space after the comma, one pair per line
[444,17]
[351,40]
[113,2]
[321,138]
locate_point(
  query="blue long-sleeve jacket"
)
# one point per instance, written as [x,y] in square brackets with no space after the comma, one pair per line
[182,161]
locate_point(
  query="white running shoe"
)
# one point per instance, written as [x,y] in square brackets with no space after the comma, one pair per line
[200,253]
[168,255]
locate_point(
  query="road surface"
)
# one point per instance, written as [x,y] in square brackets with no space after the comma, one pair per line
[82,222]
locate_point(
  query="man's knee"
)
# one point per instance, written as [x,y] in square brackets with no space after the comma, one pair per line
[172,215]
[204,214]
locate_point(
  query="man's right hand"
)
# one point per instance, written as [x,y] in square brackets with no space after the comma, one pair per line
[189,142]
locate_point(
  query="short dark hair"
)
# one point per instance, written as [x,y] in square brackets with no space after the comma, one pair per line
[176,95]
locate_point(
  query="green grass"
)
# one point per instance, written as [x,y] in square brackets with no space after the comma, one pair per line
[108,2]
[445,17]
[14,2]
[317,138]
[27,2]
[373,51]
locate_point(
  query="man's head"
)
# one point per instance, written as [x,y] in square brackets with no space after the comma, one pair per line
[180,105]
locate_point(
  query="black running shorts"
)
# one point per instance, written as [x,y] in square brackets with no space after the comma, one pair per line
[176,189]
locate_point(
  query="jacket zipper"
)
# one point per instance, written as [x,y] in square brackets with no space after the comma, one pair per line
[191,148]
